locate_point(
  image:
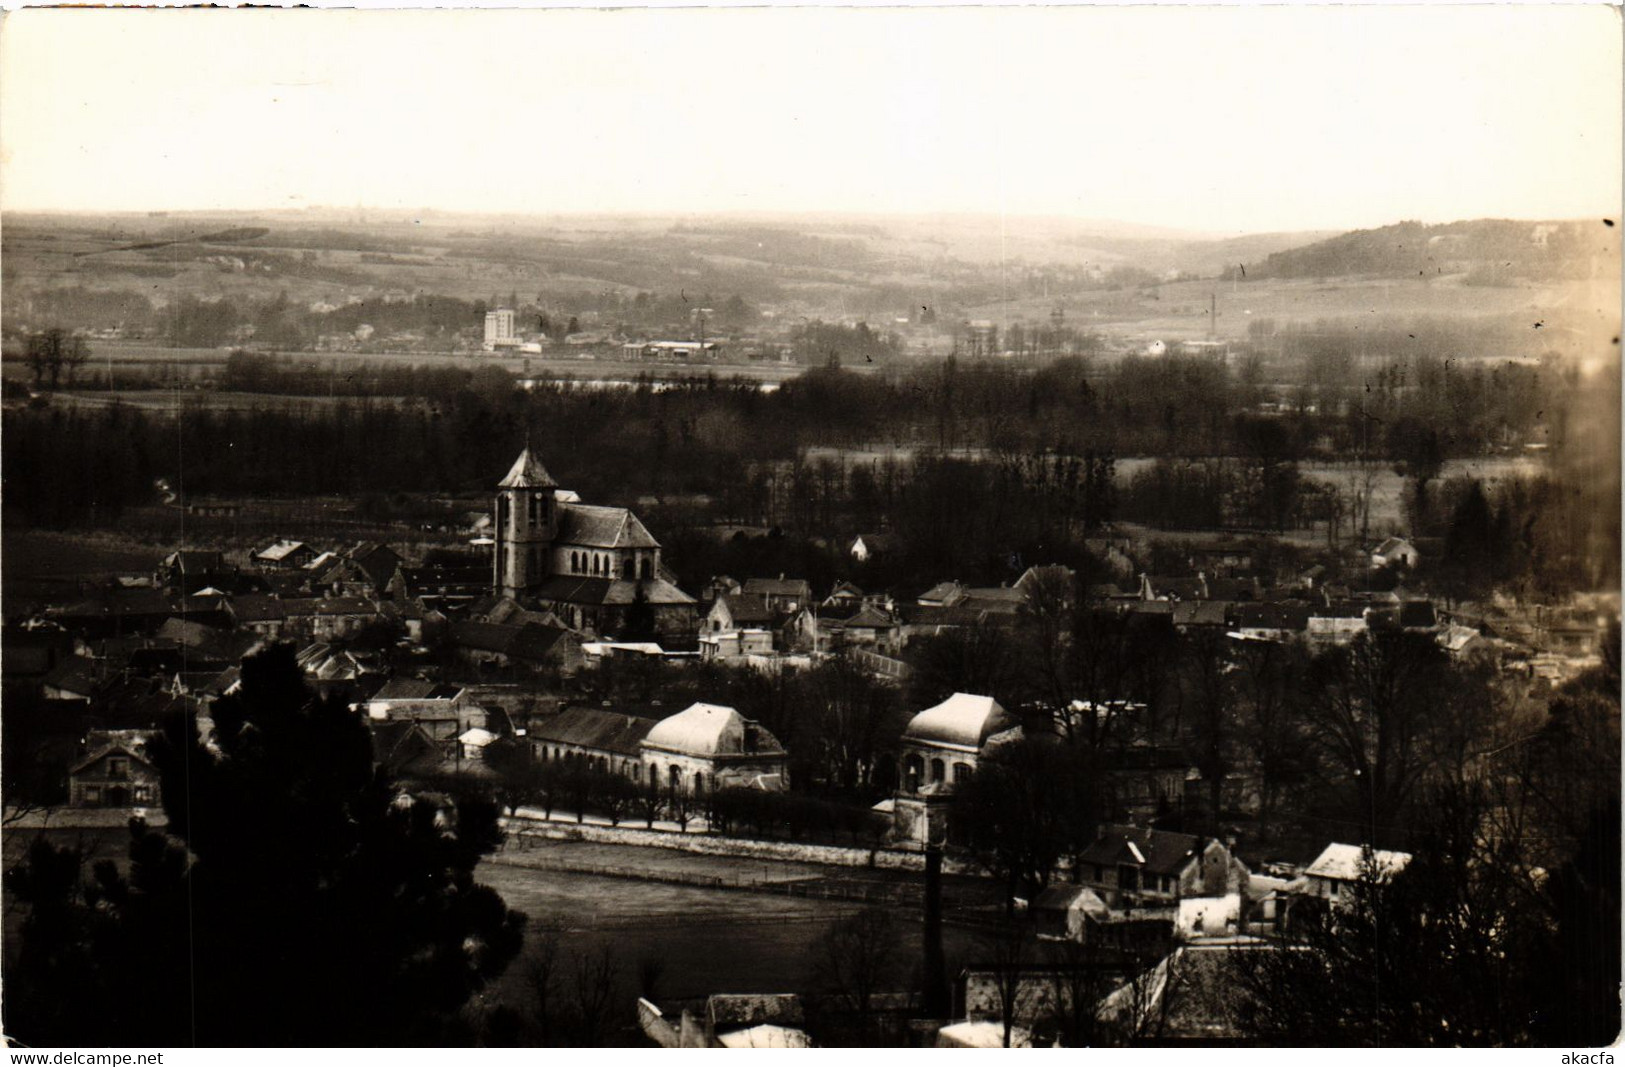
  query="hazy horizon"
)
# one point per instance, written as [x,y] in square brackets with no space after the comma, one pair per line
[1200,121]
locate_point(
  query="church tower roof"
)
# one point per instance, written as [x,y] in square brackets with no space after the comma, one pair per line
[527,473]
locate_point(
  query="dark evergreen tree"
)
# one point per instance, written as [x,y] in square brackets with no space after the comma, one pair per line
[302,898]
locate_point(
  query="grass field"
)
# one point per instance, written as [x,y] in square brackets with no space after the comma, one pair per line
[771,939]
[1180,310]
[43,564]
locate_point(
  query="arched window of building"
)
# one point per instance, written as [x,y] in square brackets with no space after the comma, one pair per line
[913,771]
[676,778]
[937,772]
[699,783]
[654,775]
[962,771]
[648,568]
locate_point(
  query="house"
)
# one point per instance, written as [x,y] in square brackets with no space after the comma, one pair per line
[286,555]
[328,669]
[935,620]
[866,547]
[473,742]
[328,617]
[532,646]
[1270,622]
[203,645]
[940,747]
[443,711]
[738,611]
[189,570]
[1395,552]
[1191,615]
[781,594]
[1065,912]
[115,773]
[1162,587]
[259,612]
[942,595]
[994,600]
[844,599]
[405,749]
[1333,874]
[1338,623]
[75,678]
[707,747]
[721,585]
[868,627]
[365,568]
[734,644]
[1130,865]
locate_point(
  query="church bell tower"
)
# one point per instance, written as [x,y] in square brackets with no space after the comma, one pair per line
[527,521]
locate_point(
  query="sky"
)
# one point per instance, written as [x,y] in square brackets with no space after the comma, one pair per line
[1221,120]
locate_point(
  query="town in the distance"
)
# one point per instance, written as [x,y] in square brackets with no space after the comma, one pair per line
[766,635]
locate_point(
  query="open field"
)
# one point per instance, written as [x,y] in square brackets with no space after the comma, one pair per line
[43,564]
[1179,310]
[771,938]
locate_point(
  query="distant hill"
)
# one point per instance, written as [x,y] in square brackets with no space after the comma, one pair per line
[1487,251]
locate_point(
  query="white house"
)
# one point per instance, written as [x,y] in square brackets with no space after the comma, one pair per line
[1395,552]
[1335,871]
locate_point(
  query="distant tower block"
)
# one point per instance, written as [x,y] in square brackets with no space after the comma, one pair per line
[527,521]
[499,331]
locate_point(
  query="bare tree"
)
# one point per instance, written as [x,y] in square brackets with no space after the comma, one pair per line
[597,982]
[544,977]
[1009,952]
[857,958]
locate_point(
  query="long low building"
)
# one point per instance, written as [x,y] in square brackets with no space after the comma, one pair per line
[701,748]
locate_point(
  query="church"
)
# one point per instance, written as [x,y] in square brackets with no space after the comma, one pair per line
[591,566]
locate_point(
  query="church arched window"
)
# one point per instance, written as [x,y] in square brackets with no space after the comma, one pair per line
[648,568]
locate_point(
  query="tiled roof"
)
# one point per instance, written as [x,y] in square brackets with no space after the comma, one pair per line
[527,472]
[1294,617]
[257,607]
[778,587]
[527,642]
[281,550]
[579,590]
[746,608]
[599,527]
[1157,851]
[1346,862]
[405,689]
[867,618]
[598,728]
